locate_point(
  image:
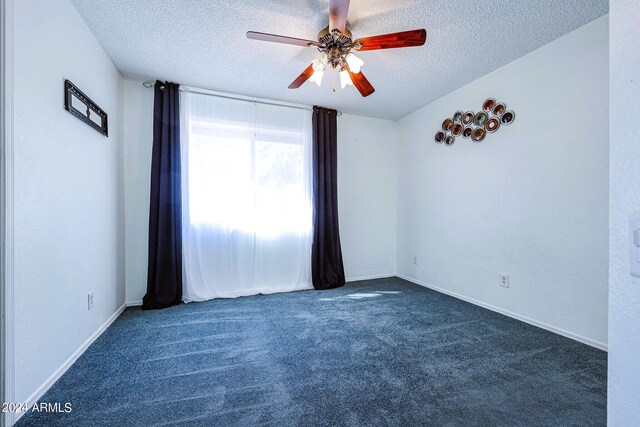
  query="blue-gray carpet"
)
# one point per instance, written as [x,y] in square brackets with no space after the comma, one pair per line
[378,352]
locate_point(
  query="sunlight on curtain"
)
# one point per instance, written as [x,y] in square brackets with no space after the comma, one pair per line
[246,198]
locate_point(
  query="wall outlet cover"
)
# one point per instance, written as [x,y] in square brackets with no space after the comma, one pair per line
[90,301]
[504,280]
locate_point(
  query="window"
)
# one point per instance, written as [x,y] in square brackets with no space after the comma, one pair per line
[247,178]
[247,206]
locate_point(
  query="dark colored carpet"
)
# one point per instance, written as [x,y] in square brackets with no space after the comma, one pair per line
[379,352]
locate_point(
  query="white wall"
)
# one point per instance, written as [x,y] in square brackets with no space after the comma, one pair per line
[138,139]
[529,201]
[624,290]
[67,206]
[367,150]
[366,191]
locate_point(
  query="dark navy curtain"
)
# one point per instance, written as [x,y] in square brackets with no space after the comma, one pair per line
[164,280]
[327,270]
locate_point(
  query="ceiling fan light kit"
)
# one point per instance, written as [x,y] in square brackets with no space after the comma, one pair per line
[476,126]
[335,43]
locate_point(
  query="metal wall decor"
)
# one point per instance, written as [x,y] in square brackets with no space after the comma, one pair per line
[81,106]
[476,126]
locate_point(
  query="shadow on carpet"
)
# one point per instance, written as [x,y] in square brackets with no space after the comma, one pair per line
[376,352]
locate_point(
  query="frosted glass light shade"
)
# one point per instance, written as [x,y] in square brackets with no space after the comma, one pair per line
[345,79]
[316,77]
[354,62]
[320,62]
[318,65]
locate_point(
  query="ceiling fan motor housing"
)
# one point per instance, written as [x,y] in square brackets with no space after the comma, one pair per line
[336,45]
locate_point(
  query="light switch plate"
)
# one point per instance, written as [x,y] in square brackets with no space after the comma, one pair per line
[634,244]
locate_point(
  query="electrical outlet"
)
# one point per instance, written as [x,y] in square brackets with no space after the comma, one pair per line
[89,300]
[504,280]
[415,260]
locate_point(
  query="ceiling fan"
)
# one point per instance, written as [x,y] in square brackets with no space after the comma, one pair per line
[335,44]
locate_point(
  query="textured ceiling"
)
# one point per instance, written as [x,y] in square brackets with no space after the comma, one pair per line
[202,43]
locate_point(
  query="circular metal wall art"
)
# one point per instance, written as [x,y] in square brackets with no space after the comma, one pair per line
[480,118]
[478,134]
[492,125]
[488,104]
[499,109]
[475,125]
[508,117]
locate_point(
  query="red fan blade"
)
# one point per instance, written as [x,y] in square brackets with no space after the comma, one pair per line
[278,39]
[394,40]
[338,10]
[302,78]
[361,83]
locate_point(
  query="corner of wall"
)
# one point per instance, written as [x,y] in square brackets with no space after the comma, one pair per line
[122,285]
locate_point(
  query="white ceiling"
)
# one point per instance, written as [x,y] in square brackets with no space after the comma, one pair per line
[202,43]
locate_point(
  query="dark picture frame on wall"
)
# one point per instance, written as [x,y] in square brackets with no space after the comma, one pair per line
[81,106]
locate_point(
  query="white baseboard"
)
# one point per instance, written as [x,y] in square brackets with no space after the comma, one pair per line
[70,361]
[375,276]
[559,331]
[137,303]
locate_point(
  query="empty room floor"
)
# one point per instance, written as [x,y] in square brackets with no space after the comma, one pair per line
[376,352]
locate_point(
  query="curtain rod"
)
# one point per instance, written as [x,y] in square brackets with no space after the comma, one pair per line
[190,89]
